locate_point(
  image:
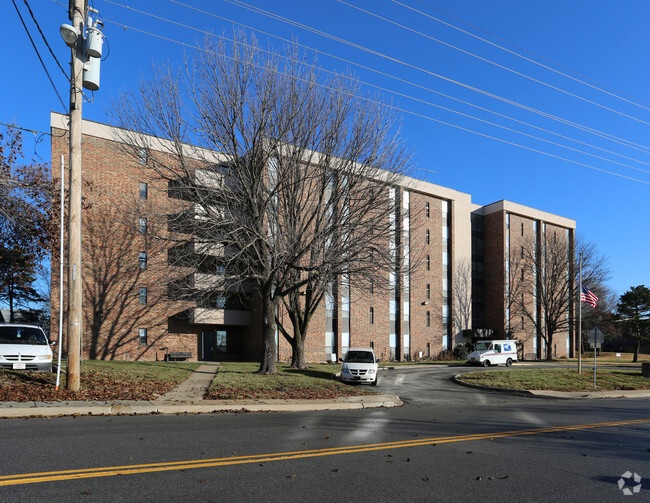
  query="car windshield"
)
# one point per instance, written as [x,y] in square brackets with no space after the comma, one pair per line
[22,335]
[359,357]
[483,346]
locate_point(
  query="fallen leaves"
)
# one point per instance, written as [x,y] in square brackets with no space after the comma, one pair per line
[95,386]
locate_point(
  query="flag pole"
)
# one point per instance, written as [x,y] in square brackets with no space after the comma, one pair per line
[580,318]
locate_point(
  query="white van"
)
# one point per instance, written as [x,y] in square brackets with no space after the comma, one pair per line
[360,365]
[24,347]
[493,353]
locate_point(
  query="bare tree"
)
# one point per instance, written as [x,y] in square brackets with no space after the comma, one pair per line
[544,282]
[462,294]
[287,180]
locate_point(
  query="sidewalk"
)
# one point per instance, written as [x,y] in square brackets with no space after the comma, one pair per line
[187,398]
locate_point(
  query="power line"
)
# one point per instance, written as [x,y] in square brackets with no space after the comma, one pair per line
[431,104]
[514,53]
[428,72]
[399,79]
[183,44]
[39,57]
[478,28]
[45,40]
[583,128]
[33,131]
[503,67]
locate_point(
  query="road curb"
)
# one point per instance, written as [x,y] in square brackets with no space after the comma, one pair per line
[490,388]
[566,395]
[11,410]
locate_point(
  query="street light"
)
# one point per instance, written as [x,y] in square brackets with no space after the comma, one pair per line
[69,34]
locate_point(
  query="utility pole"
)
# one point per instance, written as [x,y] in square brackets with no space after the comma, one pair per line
[74,211]
[86,57]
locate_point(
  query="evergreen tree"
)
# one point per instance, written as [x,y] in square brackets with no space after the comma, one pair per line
[634,312]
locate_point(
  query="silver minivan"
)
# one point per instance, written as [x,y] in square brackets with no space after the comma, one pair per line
[24,347]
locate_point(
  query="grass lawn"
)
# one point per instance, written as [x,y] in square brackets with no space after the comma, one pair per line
[100,380]
[560,379]
[625,358]
[237,381]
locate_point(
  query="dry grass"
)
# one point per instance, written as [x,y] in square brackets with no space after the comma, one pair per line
[560,379]
[237,381]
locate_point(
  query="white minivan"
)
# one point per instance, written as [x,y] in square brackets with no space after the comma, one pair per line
[360,365]
[24,347]
[493,353]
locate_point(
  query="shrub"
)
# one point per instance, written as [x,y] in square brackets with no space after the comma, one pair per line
[460,352]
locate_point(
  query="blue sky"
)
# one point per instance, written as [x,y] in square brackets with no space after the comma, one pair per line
[600,43]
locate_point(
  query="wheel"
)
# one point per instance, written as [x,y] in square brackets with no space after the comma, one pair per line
[486,363]
[508,362]
[374,383]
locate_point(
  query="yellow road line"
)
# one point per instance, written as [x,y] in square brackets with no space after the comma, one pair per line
[33,478]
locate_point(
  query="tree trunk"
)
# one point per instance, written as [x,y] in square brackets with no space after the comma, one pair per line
[298,351]
[269,347]
[637,348]
[549,347]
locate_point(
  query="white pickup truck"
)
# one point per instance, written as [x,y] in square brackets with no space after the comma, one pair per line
[493,353]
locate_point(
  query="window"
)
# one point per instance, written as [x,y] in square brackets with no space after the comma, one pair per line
[221,303]
[428,291]
[221,270]
[372,315]
[522,251]
[428,318]
[428,210]
[143,156]
[142,225]
[142,337]
[142,296]
[522,228]
[372,286]
[143,190]
[522,322]
[428,237]
[428,263]
[143,260]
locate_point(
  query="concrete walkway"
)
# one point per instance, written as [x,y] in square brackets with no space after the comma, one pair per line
[187,398]
[194,387]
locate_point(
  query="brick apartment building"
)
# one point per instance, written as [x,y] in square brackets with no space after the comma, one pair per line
[129,313]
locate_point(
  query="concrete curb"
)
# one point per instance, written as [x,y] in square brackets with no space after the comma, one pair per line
[637,393]
[59,409]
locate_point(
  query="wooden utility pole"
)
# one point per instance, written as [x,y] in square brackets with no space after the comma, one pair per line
[77,16]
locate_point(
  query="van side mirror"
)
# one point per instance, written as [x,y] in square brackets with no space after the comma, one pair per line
[53,343]
[340,359]
[377,360]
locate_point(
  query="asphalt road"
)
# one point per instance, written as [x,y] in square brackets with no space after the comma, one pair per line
[448,443]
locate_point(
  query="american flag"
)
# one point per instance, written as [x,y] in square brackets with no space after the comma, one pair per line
[588,297]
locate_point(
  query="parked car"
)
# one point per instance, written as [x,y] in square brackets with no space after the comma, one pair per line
[360,365]
[24,347]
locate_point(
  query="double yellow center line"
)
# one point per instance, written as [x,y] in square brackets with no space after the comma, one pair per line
[33,478]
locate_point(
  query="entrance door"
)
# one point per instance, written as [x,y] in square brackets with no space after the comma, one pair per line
[214,344]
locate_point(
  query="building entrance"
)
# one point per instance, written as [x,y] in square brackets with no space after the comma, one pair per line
[214,345]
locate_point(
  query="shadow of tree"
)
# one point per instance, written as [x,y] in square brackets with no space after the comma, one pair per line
[114,274]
